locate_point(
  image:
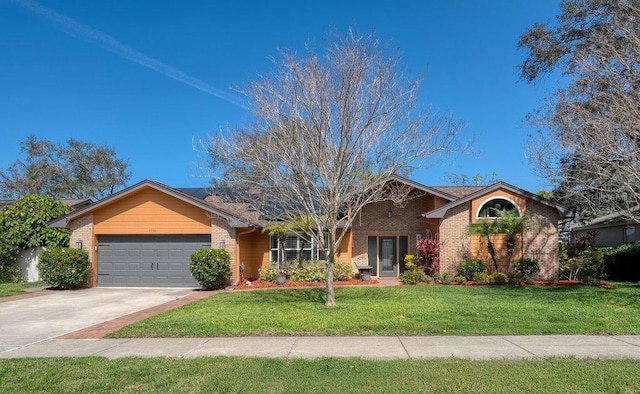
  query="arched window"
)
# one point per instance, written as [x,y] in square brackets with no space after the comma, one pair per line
[489,208]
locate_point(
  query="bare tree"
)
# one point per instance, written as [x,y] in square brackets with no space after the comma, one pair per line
[591,149]
[329,131]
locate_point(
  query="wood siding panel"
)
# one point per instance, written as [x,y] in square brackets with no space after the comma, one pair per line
[254,252]
[344,252]
[151,212]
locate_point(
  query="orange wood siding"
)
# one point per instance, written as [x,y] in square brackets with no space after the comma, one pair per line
[149,211]
[344,252]
[478,243]
[479,251]
[254,252]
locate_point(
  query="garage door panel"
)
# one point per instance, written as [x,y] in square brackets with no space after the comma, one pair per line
[148,260]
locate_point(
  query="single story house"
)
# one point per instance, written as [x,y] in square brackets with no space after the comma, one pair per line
[610,230]
[145,234]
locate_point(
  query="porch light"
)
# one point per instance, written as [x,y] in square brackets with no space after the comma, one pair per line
[79,244]
[389,213]
[221,245]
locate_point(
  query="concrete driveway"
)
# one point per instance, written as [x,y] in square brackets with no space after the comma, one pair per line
[27,321]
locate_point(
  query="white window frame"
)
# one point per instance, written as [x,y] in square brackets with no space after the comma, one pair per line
[298,249]
[488,200]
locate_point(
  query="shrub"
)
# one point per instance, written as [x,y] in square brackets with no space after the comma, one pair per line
[26,225]
[446,278]
[427,252]
[526,266]
[342,271]
[307,271]
[516,278]
[64,268]
[469,267]
[481,278]
[460,279]
[621,262]
[211,268]
[268,274]
[587,266]
[499,278]
[410,261]
[437,277]
[414,276]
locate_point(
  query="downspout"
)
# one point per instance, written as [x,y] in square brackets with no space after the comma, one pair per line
[251,230]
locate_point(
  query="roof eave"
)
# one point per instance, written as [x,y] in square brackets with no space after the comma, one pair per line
[63,221]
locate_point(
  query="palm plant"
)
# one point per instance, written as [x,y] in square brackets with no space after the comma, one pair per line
[486,229]
[509,223]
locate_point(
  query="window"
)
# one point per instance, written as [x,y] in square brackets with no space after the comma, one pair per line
[629,235]
[489,209]
[295,247]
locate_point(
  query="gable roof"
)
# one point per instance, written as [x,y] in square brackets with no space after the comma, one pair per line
[459,191]
[437,191]
[616,218]
[439,213]
[233,220]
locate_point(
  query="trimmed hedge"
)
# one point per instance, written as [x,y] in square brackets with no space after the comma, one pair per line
[64,268]
[211,268]
[622,262]
[307,271]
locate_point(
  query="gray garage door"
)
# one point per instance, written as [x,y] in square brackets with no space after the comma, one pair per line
[148,261]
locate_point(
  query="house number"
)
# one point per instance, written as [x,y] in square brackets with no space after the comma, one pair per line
[152,230]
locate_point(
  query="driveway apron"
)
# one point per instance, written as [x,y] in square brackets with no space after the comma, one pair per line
[27,321]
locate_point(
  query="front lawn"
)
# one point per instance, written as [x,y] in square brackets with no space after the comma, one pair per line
[9,289]
[330,375]
[411,310]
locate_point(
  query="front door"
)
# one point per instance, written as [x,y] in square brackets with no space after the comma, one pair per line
[387,254]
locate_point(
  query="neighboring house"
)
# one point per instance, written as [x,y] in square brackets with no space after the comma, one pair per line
[145,234]
[610,230]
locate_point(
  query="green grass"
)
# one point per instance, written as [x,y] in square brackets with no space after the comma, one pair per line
[259,375]
[9,289]
[416,310]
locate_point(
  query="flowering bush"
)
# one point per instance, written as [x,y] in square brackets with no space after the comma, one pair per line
[211,268]
[64,268]
[427,252]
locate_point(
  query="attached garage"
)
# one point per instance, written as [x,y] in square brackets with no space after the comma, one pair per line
[144,236]
[148,260]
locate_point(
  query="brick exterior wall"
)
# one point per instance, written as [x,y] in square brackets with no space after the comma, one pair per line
[541,239]
[456,244]
[82,230]
[221,231]
[373,221]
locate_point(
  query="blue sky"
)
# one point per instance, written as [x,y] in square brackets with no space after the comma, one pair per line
[150,77]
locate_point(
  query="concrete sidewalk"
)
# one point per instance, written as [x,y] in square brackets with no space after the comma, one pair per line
[509,347]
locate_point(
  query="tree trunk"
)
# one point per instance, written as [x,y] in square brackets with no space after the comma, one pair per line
[511,247]
[331,297]
[492,253]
